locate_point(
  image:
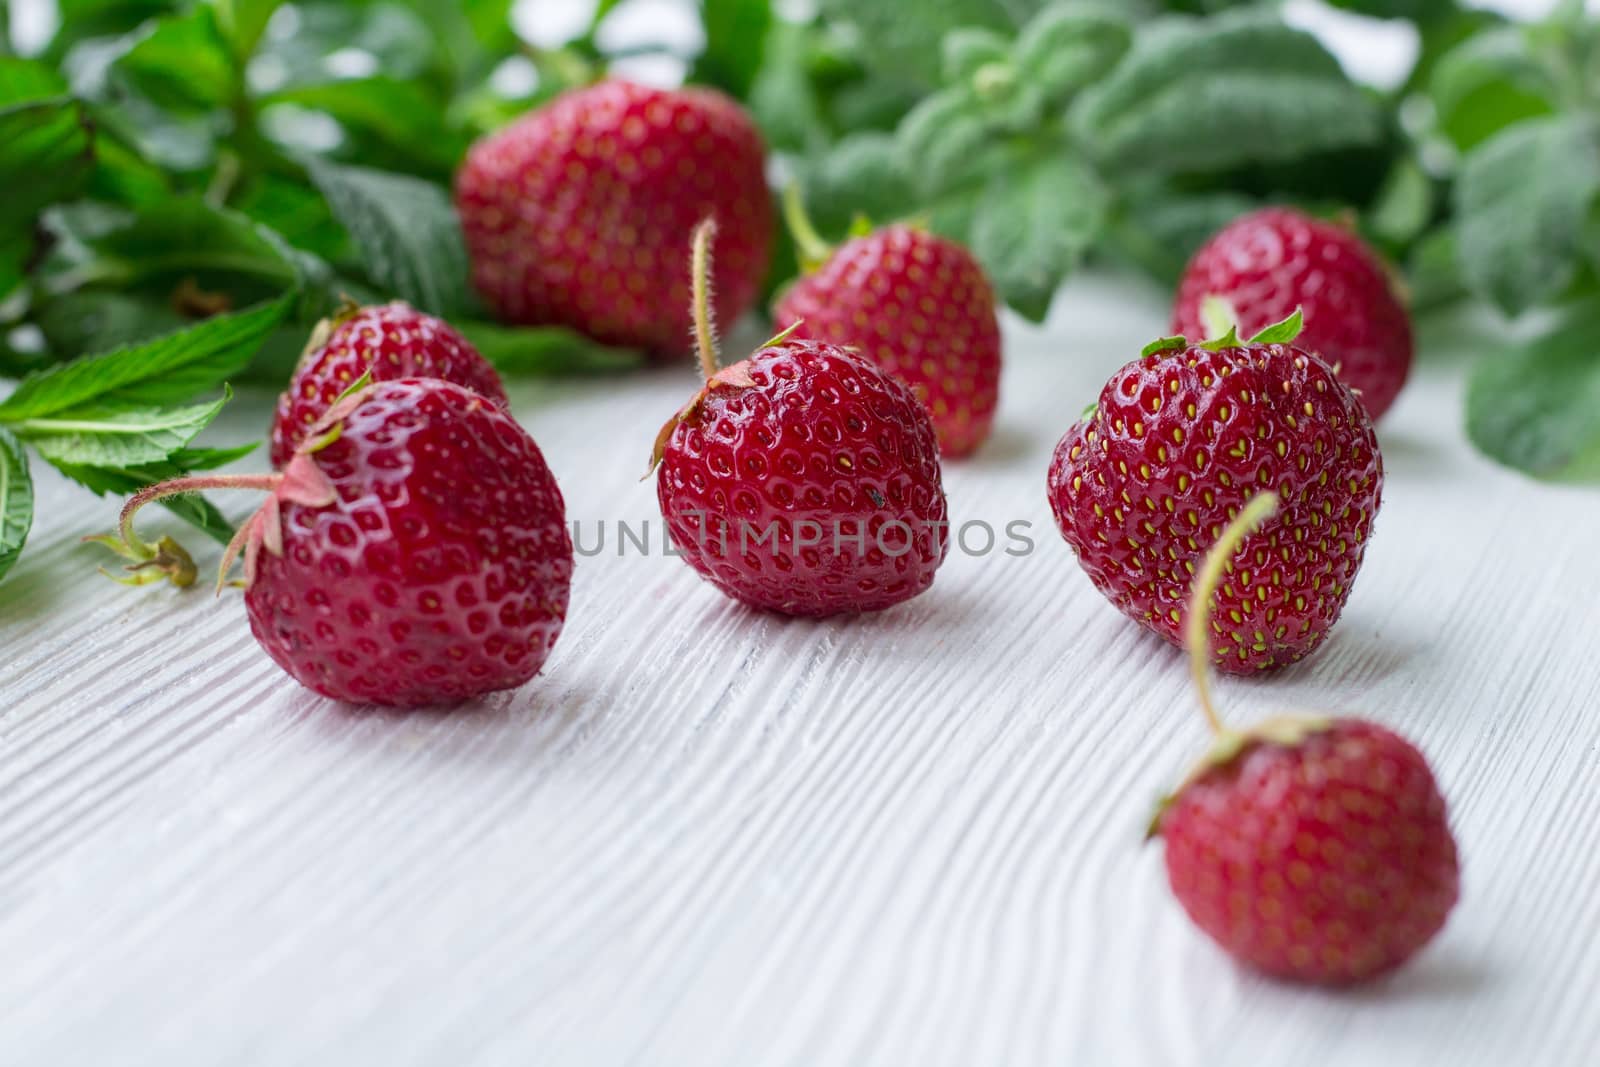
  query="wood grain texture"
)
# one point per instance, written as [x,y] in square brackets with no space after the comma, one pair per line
[708,836]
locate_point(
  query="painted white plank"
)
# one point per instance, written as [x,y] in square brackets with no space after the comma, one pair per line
[708,836]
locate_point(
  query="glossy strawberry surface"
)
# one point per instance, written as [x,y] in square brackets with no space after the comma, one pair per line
[440,572]
[390,341]
[1329,860]
[1270,262]
[579,213]
[1178,441]
[814,489]
[919,306]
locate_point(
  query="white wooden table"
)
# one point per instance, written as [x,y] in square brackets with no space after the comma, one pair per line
[708,836]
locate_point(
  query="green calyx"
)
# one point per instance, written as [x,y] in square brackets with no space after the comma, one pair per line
[1230,745]
[1221,325]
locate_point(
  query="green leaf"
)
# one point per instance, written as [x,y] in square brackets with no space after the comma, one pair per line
[1489,82]
[942,138]
[177,240]
[27,81]
[544,350]
[296,212]
[903,37]
[736,34]
[1033,226]
[1066,48]
[1537,407]
[167,370]
[16,501]
[1233,89]
[862,174]
[970,49]
[45,157]
[1281,333]
[782,97]
[401,117]
[1523,199]
[112,436]
[242,22]
[184,63]
[407,233]
[402,42]
[1159,230]
[1404,206]
[474,33]
[82,20]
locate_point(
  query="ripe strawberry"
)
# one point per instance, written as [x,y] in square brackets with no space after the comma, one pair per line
[804,479]
[917,305]
[1315,849]
[1261,267]
[414,550]
[1179,440]
[388,340]
[578,213]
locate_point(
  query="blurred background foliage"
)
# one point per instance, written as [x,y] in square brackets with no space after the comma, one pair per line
[168,160]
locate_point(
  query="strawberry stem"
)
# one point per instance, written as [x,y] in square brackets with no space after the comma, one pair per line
[705,329]
[1197,627]
[167,558]
[814,249]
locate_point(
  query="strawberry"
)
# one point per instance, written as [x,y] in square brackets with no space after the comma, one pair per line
[389,341]
[414,551]
[914,303]
[1315,849]
[804,479]
[578,213]
[1179,440]
[1261,267]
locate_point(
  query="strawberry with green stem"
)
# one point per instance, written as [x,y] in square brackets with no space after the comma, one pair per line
[1316,848]
[804,479]
[413,551]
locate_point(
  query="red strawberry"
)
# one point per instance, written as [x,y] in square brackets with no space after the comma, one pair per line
[390,341]
[1179,440]
[803,479]
[1265,265]
[1315,849]
[420,555]
[578,213]
[917,305]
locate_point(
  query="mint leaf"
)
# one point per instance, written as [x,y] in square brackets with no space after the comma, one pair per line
[178,240]
[399,118]
[1523,199]
[182,64]
[1489,82]
[406,230]
[16,501]
[544,350]
[1066,48]
[45,157]
[168,369]
[115,437]
[902,38]
[967,50]
[941,139]
[1537,407]
[1033,226]
[1209,94]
